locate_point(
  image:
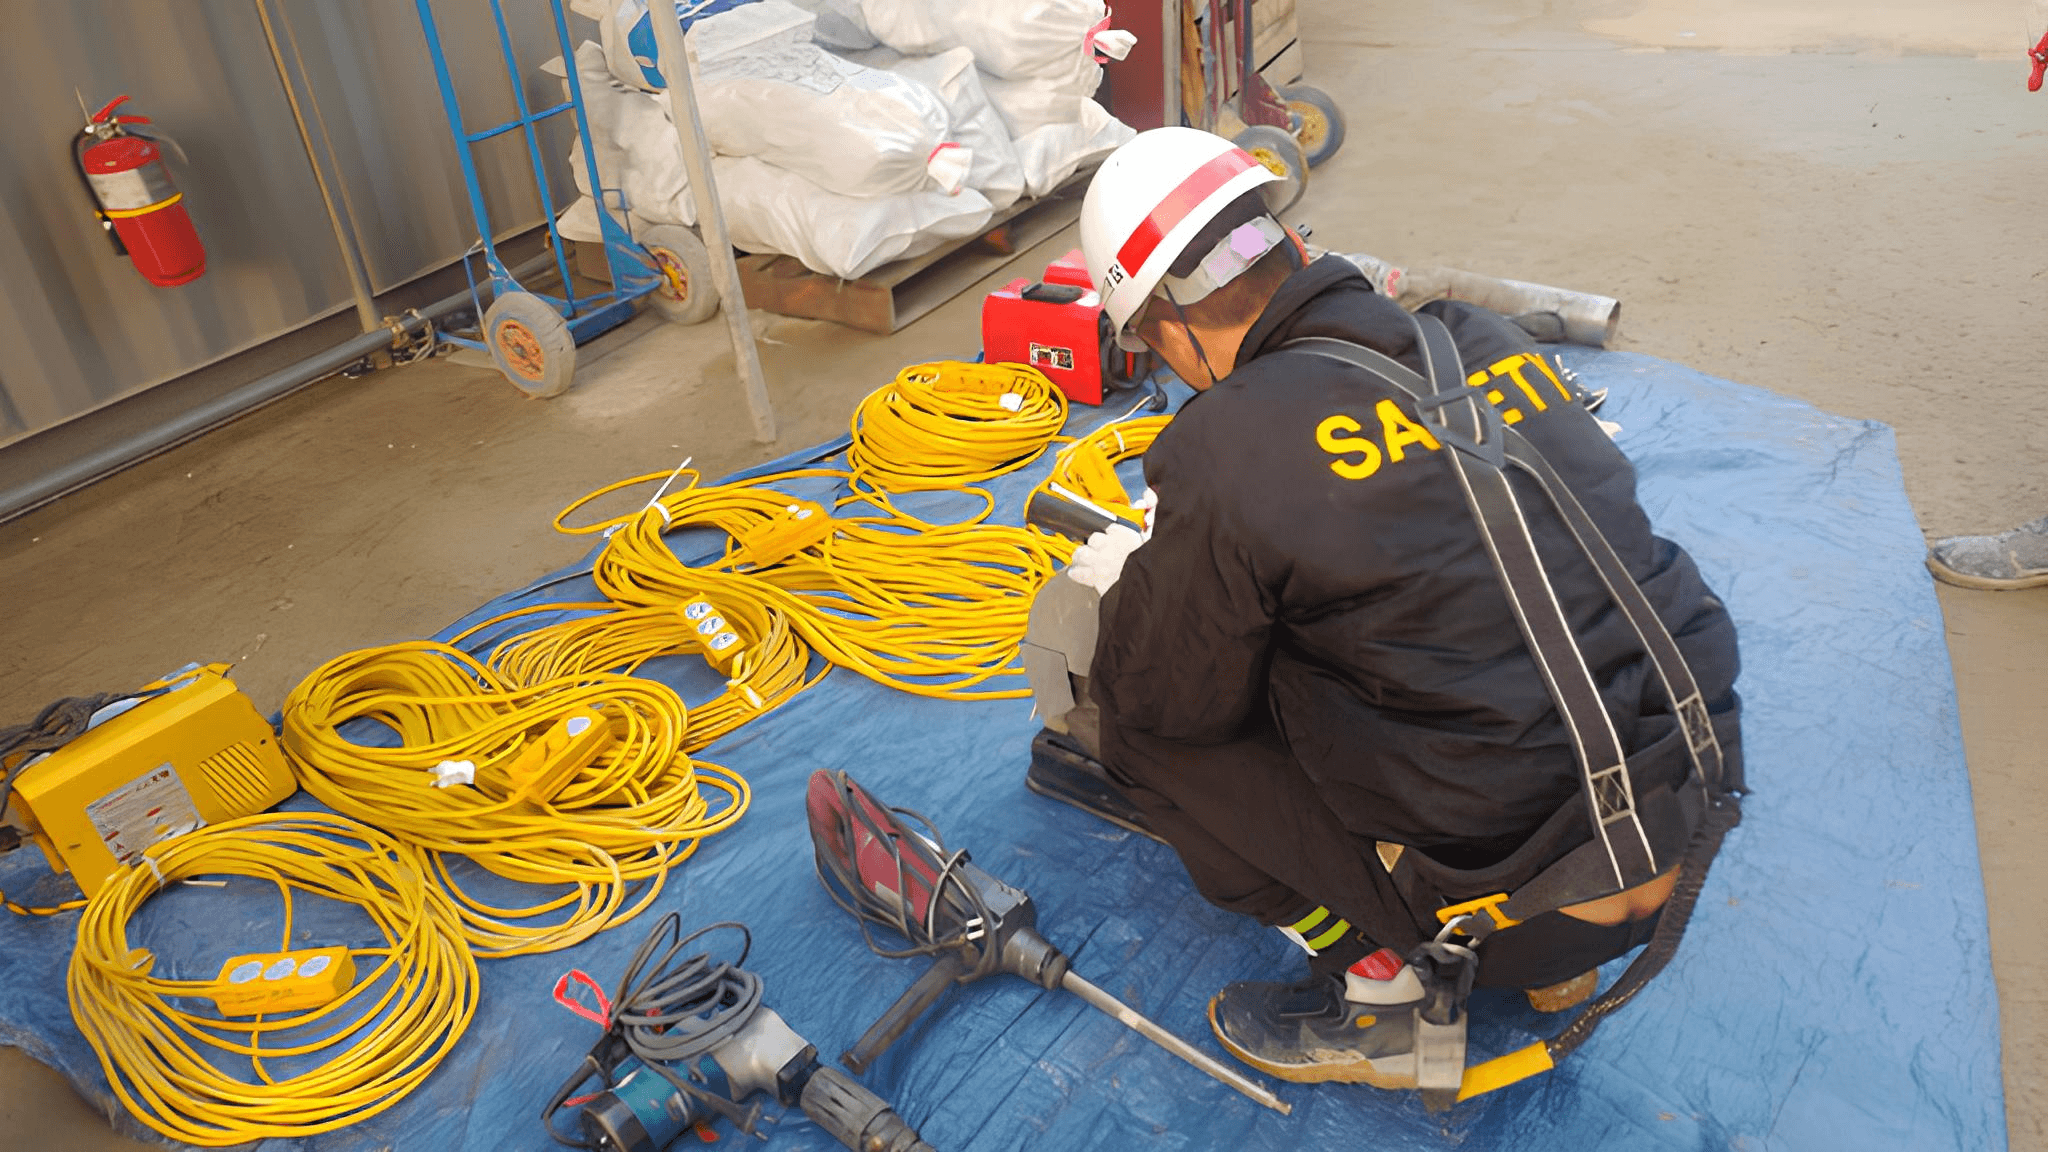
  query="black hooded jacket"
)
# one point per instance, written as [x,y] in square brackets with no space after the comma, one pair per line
[1313,556]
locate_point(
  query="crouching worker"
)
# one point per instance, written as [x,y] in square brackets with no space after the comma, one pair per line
[1401,669]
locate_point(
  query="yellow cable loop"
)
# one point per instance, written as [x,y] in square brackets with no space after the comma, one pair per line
[933,609]
[38,909]
[412,999]
[1087,468]
[878,590]
[950,424]
[769,668]
[624,818]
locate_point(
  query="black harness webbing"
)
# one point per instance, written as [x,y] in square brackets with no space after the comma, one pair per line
[1623,853]
[1482,448]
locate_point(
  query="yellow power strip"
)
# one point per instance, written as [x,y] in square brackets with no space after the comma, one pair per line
[266,982]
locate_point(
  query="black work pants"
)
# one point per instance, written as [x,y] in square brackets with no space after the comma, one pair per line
[1257,838]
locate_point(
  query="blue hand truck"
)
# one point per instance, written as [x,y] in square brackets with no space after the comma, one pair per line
[532,336]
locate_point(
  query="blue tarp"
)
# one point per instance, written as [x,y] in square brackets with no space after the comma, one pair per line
[1834,991]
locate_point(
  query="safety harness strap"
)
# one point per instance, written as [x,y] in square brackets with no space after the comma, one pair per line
[1698,818]
[1688,704]
[1478,444]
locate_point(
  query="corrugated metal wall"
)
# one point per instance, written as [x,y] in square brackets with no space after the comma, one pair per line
[79,327]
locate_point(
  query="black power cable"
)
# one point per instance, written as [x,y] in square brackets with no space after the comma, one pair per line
[672,1011]
[921,862]
[58,724]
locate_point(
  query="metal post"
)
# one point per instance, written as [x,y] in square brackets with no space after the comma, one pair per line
[682,100]
[351,259]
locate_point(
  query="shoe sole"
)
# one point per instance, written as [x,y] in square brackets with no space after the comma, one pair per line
[1335,1072]
[1564,995]
[1948,575]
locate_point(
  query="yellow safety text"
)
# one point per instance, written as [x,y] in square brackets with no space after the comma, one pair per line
[1517,385]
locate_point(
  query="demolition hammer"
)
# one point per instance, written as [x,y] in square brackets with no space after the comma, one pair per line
[687,1041]
[885,872]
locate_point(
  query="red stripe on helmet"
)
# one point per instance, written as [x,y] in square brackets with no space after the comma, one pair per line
[1199,186]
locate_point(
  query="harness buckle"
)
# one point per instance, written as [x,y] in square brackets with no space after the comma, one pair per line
[1464,918]
[1491,446]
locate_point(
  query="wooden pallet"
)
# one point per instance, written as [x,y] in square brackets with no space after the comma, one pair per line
[897,293]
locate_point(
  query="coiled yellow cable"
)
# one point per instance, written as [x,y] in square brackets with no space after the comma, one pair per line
[412,999]
[950,424]
[1087,468]
[627,815]
[932,609]
[769,667]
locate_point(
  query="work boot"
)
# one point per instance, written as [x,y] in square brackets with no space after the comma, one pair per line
[1358,1028]
[2017,558]
[1566,994]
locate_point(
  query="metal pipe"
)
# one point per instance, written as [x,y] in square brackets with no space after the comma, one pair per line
[78,473]
[682,102]
[1174,1044]
[351,260]
[1582,317]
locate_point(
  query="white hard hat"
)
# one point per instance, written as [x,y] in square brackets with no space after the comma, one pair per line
[1145,206]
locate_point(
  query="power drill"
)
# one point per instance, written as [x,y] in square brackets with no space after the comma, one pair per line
[689,1041]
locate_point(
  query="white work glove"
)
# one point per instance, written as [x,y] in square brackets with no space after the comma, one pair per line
[1148,507]
[1101,560]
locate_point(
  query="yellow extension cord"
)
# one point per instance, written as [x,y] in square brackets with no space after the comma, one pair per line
[1087,468]
[621,820]
[933,609]
[411,1002]
[950,424]
[769,668]
[938,426]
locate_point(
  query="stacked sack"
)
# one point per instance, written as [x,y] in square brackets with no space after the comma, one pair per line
[845,161]
[1039,61]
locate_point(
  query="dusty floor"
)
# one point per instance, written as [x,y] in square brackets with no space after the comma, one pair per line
[1837,201]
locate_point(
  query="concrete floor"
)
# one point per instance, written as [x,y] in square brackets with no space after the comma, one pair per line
[1835,200]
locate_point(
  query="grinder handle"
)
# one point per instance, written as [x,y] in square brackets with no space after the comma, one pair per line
[855,1116]
[944,972]
[1065,517]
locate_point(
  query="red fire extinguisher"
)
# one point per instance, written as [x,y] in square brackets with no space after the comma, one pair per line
[142,211]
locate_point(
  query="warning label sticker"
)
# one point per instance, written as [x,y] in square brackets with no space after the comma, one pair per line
[147,809]
[1051,356]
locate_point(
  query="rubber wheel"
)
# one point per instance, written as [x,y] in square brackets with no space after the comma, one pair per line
[687,294]
[1319,123]
[531,344]
[1277,150]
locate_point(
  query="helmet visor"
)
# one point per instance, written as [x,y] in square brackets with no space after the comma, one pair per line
[1228,259]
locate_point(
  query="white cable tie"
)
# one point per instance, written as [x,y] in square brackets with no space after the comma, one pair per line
[654,501]
[1011,402]
[154,870]
[1118,429]
[451,772]
[747,691]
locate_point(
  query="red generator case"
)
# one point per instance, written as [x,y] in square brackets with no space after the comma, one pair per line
[1056,325]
